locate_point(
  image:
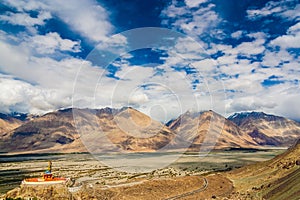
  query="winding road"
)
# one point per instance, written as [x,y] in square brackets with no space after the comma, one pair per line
[190,193]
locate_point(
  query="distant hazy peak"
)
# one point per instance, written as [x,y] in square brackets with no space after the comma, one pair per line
[15,115]
[253,115]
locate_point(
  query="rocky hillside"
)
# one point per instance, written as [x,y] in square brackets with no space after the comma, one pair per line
[100,130]
[10,122]
[171,188]
[52,130]
[277,178]
[210,128]
[126,129]
[43,192]
[268,129]
[123,130]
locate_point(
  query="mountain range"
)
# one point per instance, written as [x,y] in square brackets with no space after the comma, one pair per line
[128,130]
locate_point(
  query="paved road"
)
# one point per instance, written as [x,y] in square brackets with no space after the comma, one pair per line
[190,193]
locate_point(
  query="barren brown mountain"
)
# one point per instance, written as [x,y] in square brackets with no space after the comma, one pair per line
[209,128]
[126,129]
[123,130]
[10,122]
[268,129]
[50,131]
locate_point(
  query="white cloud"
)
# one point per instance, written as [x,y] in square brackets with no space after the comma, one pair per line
[291,40]
[45,71]
[294,29]
[26,5]
[239,66]
[227,59]
[203,20]
[270,8]
[237,34]
[291,13]
[199,22]
[205,65]
[24,97]
[11,56]
[86,17]
[273,59]
[174,11]
[51,42]
[194,3]
[249,48]
[285,9]
[138,99]
[249,103]
[289,105]
[47,84]
[117,44]
[24,19]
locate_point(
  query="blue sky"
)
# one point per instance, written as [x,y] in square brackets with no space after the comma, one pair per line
[228,56]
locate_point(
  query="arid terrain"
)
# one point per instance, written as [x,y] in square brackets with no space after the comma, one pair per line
[144,159]
[149,99]
[277,178]
[190,177]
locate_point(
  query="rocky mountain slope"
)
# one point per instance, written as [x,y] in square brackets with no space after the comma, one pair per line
[277,178]
[268,129]
[126,129]
[100,130]
[123,130]
[210,128]
[52,130]
[10,122]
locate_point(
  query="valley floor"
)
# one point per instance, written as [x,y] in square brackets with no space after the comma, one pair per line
[186,175]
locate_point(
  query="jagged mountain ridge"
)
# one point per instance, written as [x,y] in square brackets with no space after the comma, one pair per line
[9,122]
[42,132]
[127,129]
[240,118]
[57,131]
[268,129]
[212,129]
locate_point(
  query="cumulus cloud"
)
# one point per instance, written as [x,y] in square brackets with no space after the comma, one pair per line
[244,68]
[17,95]
[117,44]
[88,18]
[194,3]
[26,5]
[24,19]
[290,40]
[237,34]
[274,59]
[194,23]
[285,9]
[138,99]
[43,71]
[50,43]
[43,83]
